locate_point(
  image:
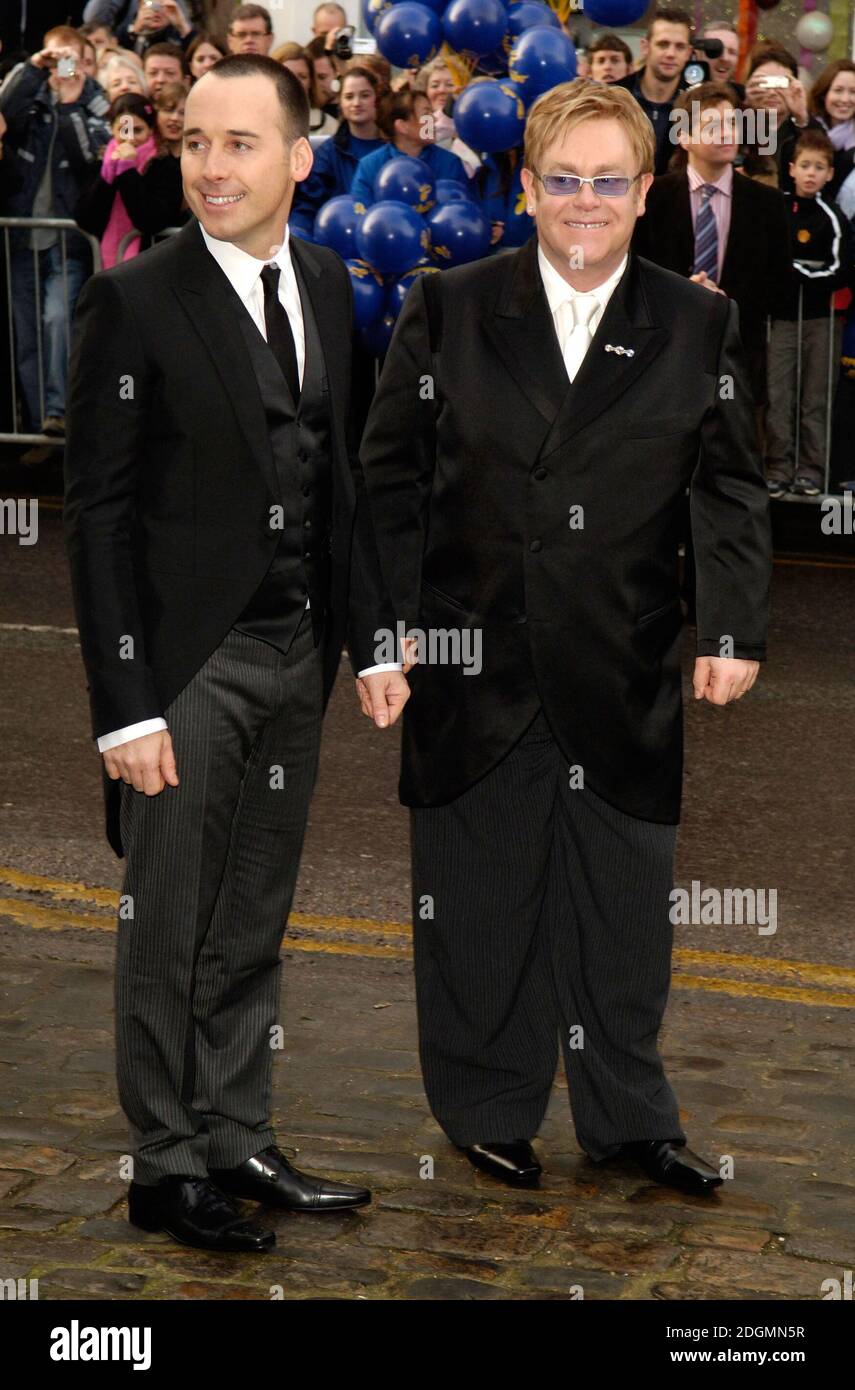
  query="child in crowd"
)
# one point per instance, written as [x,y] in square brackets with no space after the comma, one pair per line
[804,346]
[101,210]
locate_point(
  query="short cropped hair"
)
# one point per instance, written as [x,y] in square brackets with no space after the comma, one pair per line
[561,108]
[292,96]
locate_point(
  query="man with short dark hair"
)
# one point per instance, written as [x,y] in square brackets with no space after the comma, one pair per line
[211,524]
[609,58]
[250,30]
[164,64]
[666,49]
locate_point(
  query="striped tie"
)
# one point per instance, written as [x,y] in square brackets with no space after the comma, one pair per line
[706,235]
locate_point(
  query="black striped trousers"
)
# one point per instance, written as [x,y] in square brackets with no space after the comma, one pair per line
[540,911]
[211,869]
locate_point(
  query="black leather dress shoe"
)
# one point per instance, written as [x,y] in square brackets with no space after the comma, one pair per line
[511,1161]
[269,1178]
[194,1212]
[668,1163]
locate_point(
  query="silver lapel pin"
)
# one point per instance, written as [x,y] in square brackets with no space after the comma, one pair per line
[621,351]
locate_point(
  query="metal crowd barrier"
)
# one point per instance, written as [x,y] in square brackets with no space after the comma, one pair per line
[831,384]
[61,225]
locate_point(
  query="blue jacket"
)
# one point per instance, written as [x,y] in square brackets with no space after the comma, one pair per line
[504,203]
[332,174]
[72,135]
[442,164]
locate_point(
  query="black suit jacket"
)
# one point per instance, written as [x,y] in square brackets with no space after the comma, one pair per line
[756,268]
[170,475]
[475,450]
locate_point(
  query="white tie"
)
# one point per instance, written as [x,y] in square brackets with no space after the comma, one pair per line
[574,331]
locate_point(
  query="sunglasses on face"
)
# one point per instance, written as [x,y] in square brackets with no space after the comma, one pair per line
[604,185]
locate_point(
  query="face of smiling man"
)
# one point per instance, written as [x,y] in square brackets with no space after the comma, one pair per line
[583,236]
[238,164]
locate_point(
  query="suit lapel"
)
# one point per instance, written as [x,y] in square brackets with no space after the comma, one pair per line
[211,304]
[524,336]
[733,250]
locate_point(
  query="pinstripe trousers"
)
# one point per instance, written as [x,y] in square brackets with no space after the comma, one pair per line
[211,869]
[541,912]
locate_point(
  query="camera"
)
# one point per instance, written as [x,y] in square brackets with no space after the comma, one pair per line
[696,70]
[66,67]
[343,43]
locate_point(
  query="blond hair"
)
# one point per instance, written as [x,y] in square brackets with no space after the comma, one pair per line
[561,108]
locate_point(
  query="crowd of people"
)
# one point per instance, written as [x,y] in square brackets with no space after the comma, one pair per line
[754,195]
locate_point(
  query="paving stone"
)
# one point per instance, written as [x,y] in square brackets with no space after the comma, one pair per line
[725,1237]
[429,1199]
[769,1273]
[72,1196]
[32,1158]
[90,1284]
[615,1255]
[496,1240]
[761,1124]
[91,1061]
[564,1278]
[465,1290]
[22,1219]
[28,1129]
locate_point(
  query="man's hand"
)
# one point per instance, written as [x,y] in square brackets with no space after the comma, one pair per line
[796,99]
[721,679]
[383,696]
[703,279]
[146,763]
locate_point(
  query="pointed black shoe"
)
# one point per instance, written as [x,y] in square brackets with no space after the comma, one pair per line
[668,1163]
[194,1212]
[269,1178]
[511,1161]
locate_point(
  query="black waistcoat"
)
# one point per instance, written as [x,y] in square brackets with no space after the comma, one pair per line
[301,446]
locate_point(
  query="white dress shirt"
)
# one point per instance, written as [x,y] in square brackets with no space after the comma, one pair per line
[244,274]
[558,292]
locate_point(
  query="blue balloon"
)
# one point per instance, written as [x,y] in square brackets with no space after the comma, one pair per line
[406,180]
[452,191]
[474,26]
[336,224]
[368,293]
[392,237]
[377,336]
[459,232]
[436,5]
[397,291]
[530,13]
[371,11]
[615,14]
[408,34]
[542,58]
[490,115]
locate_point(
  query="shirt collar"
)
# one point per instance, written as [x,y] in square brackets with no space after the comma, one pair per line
[558,290]
[242,269]
[724,182]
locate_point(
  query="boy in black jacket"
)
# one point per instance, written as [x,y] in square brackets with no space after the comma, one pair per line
[805,336]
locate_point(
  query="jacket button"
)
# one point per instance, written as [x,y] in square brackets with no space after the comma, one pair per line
[307,491]
[307,523]
[541,473]
[521,618]
[536,546]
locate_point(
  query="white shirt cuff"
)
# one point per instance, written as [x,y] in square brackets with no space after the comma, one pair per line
[384,666]
[146,726]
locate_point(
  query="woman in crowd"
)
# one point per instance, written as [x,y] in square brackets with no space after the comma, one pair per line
[121,73]
[327,77]
[202,54]
[336,159]
[401,119]
[101,210]
[153,195]
[782,105]
[299,61]
[832,102]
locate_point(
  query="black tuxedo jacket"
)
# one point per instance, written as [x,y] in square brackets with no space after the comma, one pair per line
[756,268]
[170,475]
[475,452]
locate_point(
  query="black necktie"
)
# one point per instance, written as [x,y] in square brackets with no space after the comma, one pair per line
[280,338]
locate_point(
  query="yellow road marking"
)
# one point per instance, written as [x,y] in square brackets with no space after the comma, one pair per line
[319,934]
